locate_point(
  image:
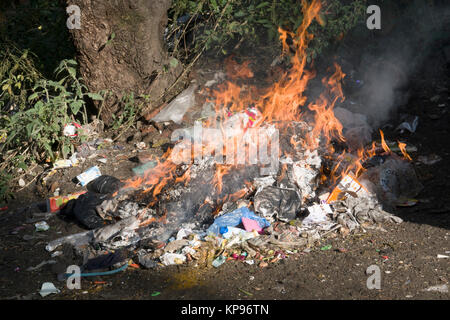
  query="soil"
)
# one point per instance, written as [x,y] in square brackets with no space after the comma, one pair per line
[405,253]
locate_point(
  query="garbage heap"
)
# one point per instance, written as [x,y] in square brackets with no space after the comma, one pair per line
[256,218]
[190,209]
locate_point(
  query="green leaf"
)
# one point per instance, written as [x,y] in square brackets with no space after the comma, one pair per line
[22,165]
[214,5]
[240,14]
[263,21]
[55,127]
[38,105]
[65,150]
[94,96]
[173,62]
[33,96]
[72,72]
[262,5]
[71,62]
[76,106]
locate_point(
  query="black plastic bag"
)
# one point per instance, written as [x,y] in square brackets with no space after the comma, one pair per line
[104,185]
[84,209]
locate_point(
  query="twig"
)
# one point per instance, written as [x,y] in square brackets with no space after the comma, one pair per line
[130,123]
[103,102]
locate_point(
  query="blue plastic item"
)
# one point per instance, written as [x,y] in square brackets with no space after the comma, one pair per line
[223,230]
[234,218]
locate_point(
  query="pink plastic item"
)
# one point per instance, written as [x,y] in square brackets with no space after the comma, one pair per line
[251,225]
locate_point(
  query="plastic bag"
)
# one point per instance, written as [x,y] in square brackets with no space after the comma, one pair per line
[168,259]
[283,203]
[234,218]
[84,209]
[357,131]
[176,109]
[394,179]
[104,185]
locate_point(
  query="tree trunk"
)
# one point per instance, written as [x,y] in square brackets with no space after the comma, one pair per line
[121,48]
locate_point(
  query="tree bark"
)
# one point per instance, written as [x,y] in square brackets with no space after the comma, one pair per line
[121,48]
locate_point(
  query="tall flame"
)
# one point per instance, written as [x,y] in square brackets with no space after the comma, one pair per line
[279,104]
[283,101]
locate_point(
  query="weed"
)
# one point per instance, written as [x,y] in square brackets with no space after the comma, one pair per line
[34,132]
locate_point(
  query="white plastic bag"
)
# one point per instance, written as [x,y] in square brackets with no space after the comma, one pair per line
[177,108]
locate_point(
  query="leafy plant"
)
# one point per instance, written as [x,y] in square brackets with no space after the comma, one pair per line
[337,20]
[5,192]
[18,74]
[130,107]
[222,24]
[35,133]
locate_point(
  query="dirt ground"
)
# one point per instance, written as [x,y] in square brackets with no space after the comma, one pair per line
[405,253]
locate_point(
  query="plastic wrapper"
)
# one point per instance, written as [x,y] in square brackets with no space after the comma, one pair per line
[77,239]
[48,288]
[89,175]
[103,235]
[57,203]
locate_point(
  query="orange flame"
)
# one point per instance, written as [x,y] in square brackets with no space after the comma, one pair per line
[402,147]
[220,172]
[284,101]
[238,71]
[383,143]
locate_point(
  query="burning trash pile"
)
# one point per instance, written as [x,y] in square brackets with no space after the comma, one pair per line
[262,175]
